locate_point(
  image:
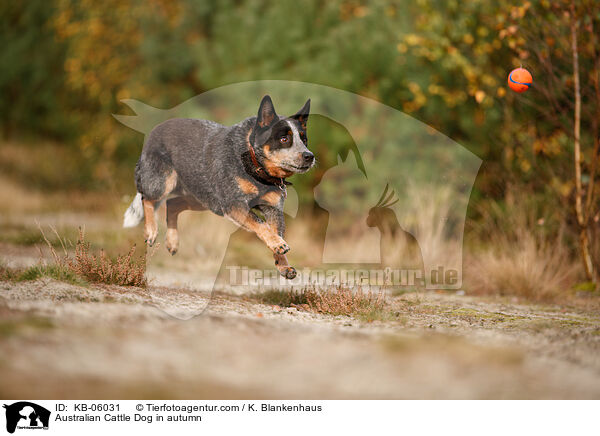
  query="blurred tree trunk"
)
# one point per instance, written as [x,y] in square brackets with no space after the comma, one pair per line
[582,216]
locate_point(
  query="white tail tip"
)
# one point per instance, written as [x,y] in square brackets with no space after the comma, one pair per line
[134,213]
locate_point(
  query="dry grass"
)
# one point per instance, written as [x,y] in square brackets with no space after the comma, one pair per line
[7,274]
[535,270]
[520,259]
[336,300]
[124,270]
[341,300]
[292,298]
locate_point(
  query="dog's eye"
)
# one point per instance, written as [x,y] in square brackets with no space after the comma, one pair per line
[284,139]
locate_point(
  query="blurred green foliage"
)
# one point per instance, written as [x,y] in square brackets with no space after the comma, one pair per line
[68,63]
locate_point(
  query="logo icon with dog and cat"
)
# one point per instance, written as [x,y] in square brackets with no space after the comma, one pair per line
[24,415]
[395,197]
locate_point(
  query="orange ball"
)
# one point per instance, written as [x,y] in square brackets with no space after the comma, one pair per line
[519,80]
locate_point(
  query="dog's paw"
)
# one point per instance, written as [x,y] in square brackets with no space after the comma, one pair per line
[150,235]
[289,272]
[281,248]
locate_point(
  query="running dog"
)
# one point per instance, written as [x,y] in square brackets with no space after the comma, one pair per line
[202,165]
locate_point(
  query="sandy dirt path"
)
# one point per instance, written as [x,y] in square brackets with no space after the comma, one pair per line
[59,340]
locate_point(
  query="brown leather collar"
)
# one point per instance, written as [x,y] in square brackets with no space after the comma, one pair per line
[261,173]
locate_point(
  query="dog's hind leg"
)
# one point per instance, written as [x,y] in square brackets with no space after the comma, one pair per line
[174,207]
[151,203]
[150,226]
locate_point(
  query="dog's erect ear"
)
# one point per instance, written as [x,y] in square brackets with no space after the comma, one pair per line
[266,112]
[302,114]
[262,136]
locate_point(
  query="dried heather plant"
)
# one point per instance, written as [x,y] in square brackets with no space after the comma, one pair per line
[341,300]
[125,270]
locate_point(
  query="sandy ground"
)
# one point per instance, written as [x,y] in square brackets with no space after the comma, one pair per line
[58,340]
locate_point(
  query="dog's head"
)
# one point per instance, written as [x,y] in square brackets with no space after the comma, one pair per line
[281,142]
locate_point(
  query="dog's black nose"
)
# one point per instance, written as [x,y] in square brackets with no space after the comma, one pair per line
[308,156]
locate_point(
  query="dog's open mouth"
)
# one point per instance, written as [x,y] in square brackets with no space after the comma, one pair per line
[297,169]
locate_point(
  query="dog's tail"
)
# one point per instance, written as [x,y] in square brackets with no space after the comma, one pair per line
[134,213]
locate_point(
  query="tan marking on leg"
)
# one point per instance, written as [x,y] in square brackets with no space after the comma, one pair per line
[170,183]
[174,207]
[273,198]
[150,226]
[265,231]
[284,268]
[246,186]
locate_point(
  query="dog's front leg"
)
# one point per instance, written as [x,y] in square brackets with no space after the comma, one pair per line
[284,268]
[274,216]
[266,231]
